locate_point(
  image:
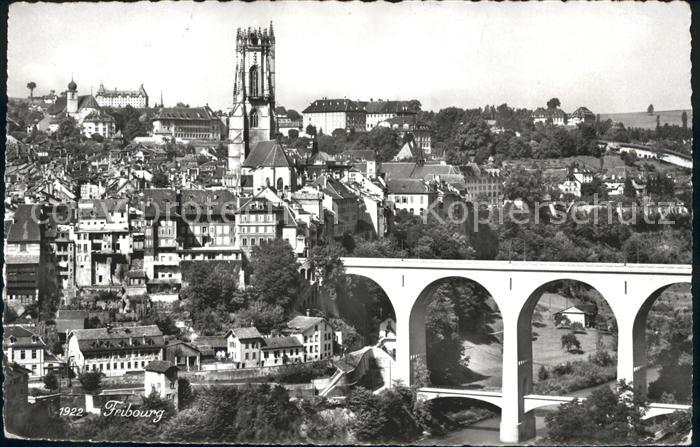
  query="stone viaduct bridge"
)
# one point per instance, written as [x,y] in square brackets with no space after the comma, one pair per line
[516,287]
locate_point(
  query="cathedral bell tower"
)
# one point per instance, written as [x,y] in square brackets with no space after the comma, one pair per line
[252,116]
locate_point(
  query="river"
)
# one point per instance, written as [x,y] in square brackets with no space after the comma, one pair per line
[487,431]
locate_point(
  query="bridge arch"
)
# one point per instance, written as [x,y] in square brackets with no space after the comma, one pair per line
[639,334]
[483,314]
[526,321]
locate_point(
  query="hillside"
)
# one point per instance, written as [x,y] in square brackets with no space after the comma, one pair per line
[646,121]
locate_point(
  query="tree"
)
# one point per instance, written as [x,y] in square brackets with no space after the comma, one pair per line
[684,120]
[185,394]
[553,103]
[50,381]
[629,190]
[293,134]
[570,342]
[542,373]
[91,381]
[31,86]
[525,185]
[650,109]
[67,128]
[311,130]
[293,115]
[275,274]
[606,417]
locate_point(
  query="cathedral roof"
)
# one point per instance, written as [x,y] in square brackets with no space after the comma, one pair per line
[267,154]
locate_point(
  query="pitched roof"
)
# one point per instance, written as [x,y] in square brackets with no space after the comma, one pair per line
[282,342]
[428,171]
[245,333]
[302,322]
[26,227]
[185,113]
[407,186]
[161,366]
[24,338]
[333,105]
[386,107]
[212,341]
[267,154]
[117,338]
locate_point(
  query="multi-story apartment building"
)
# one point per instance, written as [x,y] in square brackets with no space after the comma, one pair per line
[412,195]
[113,351]
[258,221]
[122,98]
[102,242]
[484,187]
[188,124]
[378,111]
[161,261]
[316,335]
[341,201]
[327,115]
[24,257]
[207,230]
[60,239]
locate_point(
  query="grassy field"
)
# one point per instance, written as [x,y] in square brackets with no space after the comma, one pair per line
[646,121]
[485,359]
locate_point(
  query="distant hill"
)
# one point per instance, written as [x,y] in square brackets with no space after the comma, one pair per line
[646,121]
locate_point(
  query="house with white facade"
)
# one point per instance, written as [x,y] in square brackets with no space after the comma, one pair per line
[244,346]
[316,334]
[161,378]
[113,351]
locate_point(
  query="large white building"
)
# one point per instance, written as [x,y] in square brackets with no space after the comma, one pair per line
[378,111]
[327,115]
[113,351]
[122,98]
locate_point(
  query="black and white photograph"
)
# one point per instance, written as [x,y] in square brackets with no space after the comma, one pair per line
[345,223]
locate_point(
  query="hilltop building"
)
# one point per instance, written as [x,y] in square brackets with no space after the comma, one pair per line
[122,98]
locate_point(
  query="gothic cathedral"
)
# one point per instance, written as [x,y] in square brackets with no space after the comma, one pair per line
[252,117]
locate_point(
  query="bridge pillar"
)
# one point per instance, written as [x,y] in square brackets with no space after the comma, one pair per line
[516,425]
[632,350]
[402,372]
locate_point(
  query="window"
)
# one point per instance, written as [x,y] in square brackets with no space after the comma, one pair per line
[33,353]
[246,356]
[22,354]
[253,90]
[254,118]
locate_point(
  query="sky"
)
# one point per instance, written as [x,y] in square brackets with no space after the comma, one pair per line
[610,57]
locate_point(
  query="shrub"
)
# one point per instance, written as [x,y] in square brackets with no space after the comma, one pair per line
[578,328]
[601,358]
[543,374]
[562,368]
[91,381]
[50,381]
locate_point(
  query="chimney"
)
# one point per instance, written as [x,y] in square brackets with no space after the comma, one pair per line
[308,313]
